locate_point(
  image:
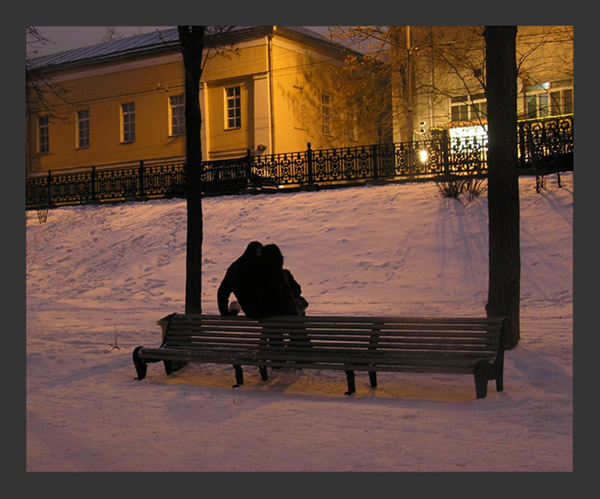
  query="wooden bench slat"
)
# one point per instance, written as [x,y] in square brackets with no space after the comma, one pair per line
[384,348]
[373,356]
[380,320]
[225,341]
[341,340]
[362,328]
[337,333]
[332,320]
[327,351]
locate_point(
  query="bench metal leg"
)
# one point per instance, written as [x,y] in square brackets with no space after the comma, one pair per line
[483,372]
[140,364]
[499,380]
[373,378]
[263,373]
[171,365]
[350,381]
[239,376]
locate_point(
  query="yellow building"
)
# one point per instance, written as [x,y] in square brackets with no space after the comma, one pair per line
[267,89]
[446,68]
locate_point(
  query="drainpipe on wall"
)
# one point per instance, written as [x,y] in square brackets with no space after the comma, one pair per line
[409,80]
[204,130]
[270,75]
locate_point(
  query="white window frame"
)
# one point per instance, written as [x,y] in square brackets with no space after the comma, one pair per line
[549,99]
[233,107]
[128,122]
[468,108]
[176,115]
[536,101]
[83,129]
[43,134]
[561,101]
[327,113]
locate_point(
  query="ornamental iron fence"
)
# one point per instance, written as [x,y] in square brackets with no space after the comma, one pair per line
[545,145]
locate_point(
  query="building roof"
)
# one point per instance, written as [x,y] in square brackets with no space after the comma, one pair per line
[114,49]
[158,41]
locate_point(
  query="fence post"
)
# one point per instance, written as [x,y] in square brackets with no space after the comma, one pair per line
[248,164]
[521,144]
[49,189]
[375,161]
[141,178]
[309,161]
[93,184]
[446,153]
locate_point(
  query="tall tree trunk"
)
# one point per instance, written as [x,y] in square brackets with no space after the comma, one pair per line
[192,42]
[503,180]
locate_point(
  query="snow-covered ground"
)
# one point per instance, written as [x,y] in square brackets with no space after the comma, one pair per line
[99,277]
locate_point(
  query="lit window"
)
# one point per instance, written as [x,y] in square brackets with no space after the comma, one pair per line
[549,99]
[43,135]
[326,113]
[537,106]
[479,110]
[459,110]
[83,129]
[128,122]
[176,112]
[561,102]
[465,108]
[233,107]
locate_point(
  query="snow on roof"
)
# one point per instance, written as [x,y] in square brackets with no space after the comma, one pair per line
[145,42]
[141,44]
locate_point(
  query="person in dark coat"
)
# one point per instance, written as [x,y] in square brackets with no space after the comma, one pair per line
[244,278]
[282,289]
[283,295]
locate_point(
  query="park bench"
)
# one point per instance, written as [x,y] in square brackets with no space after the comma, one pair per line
[394,344]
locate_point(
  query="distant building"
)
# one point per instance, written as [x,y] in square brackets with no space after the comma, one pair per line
[446,68]
[268,89]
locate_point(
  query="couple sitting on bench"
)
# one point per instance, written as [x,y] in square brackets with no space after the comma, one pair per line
[262,287]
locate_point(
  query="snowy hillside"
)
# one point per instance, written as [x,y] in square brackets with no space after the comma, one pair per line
[99,277]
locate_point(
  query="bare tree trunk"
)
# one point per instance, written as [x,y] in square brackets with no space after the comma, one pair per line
[192,43]
[503,179]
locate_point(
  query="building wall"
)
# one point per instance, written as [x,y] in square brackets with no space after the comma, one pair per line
[233,68]
[544,58]
[301,76]
[225,142]
[280,80]
[147,83]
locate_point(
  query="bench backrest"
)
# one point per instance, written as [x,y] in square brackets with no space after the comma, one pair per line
[422,341]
